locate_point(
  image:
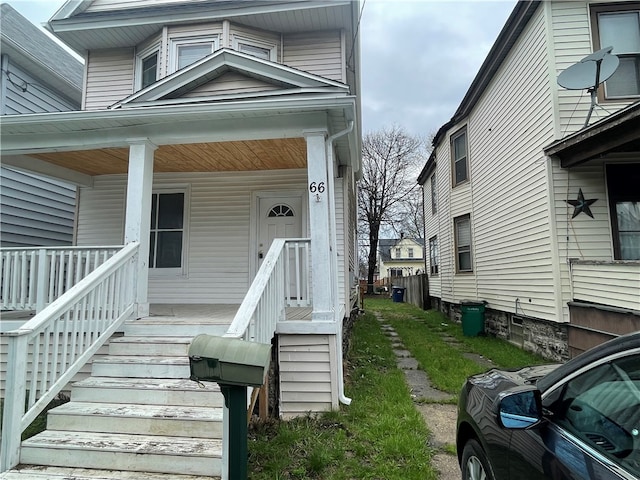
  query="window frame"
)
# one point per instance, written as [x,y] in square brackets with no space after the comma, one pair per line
[178,42]
[181,271]
[594,12]
[239,40]
[620,189]
[410,252]
[434,193]
[433,255]
[456,222]
[398,252]
[140,58]
[454,136]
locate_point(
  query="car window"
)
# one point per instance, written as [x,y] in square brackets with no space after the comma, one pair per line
[602,408]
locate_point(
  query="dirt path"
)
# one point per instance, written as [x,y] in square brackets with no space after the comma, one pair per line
[439,417]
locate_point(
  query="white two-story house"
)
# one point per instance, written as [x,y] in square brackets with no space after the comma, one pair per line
[528,208]
[216,154]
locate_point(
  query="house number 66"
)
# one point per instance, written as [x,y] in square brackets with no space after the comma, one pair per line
[317,187]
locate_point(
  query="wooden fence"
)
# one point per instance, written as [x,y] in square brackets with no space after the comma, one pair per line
[416,289]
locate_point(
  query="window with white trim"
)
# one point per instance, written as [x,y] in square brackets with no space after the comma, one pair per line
[398,253]
[433,255]
[185,51]
[434,205]
[167,235]
[410,252]
[255,48]
[460,157]
[147,66]
[462,226]
[618,26]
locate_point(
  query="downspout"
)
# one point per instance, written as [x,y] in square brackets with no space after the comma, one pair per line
[334,256]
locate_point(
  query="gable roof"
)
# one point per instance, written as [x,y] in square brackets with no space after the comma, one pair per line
[386,244]
[31,49]
[224,60]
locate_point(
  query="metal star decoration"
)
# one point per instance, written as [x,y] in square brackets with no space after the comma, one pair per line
[581,205]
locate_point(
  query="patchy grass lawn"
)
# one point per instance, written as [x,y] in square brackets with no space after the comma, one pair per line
[423,334]
[379,436]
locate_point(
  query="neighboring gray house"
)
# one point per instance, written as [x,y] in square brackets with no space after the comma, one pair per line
[38,76]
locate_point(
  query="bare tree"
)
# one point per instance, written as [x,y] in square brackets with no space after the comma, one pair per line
[390,161]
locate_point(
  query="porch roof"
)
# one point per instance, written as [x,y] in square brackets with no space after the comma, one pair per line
[617,133]
[252,134]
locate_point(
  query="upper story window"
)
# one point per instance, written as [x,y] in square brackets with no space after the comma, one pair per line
[410,252]
[460,157]
[619,26]
[185,51]
[263,50]
[398,253]
[147,66]
[434,205]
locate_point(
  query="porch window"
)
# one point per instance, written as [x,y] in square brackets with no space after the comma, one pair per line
[619,26]
[433,255]
[628,219]
[624,209]
[460,158]
[167,230]
[395,272]
[462,226]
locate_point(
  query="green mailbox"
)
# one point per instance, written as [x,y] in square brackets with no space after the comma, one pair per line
[228,360]
[235,365]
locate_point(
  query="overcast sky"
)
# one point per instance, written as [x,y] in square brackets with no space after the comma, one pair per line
[418,56]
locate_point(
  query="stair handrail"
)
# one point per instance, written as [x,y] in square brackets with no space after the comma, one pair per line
[265,302]
[69,331]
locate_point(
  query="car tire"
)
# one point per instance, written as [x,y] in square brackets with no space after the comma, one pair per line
[475,465]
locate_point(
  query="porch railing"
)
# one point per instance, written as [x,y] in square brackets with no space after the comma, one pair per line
[613,283]
[59,340]
[32,278]
[282,281]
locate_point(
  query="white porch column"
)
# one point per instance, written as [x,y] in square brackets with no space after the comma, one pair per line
[319,214]
[138,216]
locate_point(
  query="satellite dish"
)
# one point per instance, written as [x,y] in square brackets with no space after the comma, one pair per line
[589,73]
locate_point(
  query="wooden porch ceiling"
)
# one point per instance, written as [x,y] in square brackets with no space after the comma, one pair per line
[269,154]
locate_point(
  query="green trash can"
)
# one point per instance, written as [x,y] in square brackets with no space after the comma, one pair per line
[472,317]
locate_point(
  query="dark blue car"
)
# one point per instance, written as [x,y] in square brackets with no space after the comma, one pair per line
[580,420]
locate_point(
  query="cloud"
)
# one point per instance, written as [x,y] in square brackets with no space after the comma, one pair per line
[419,58]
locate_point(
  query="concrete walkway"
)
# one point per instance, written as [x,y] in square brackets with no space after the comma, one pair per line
[435,406]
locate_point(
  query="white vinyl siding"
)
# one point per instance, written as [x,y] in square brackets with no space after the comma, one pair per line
[36,211]
[219,224]
[319,53]
[110,5]
[573,41]
[612,284]
[241,36]
[110,77]
[306,374]
[507,130]
[231,83]
[27,94]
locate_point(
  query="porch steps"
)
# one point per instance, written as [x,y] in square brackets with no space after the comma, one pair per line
[37,472]
[142,453]
[178,421]
[137,413]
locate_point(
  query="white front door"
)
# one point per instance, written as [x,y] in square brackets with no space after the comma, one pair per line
[278,217]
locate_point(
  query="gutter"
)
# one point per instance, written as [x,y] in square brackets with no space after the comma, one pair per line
[334,257]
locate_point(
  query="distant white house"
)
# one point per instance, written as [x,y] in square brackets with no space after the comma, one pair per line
[525,207]
[400,257]
[38,76]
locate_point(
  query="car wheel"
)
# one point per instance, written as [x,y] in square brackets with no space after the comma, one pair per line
[475,465]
